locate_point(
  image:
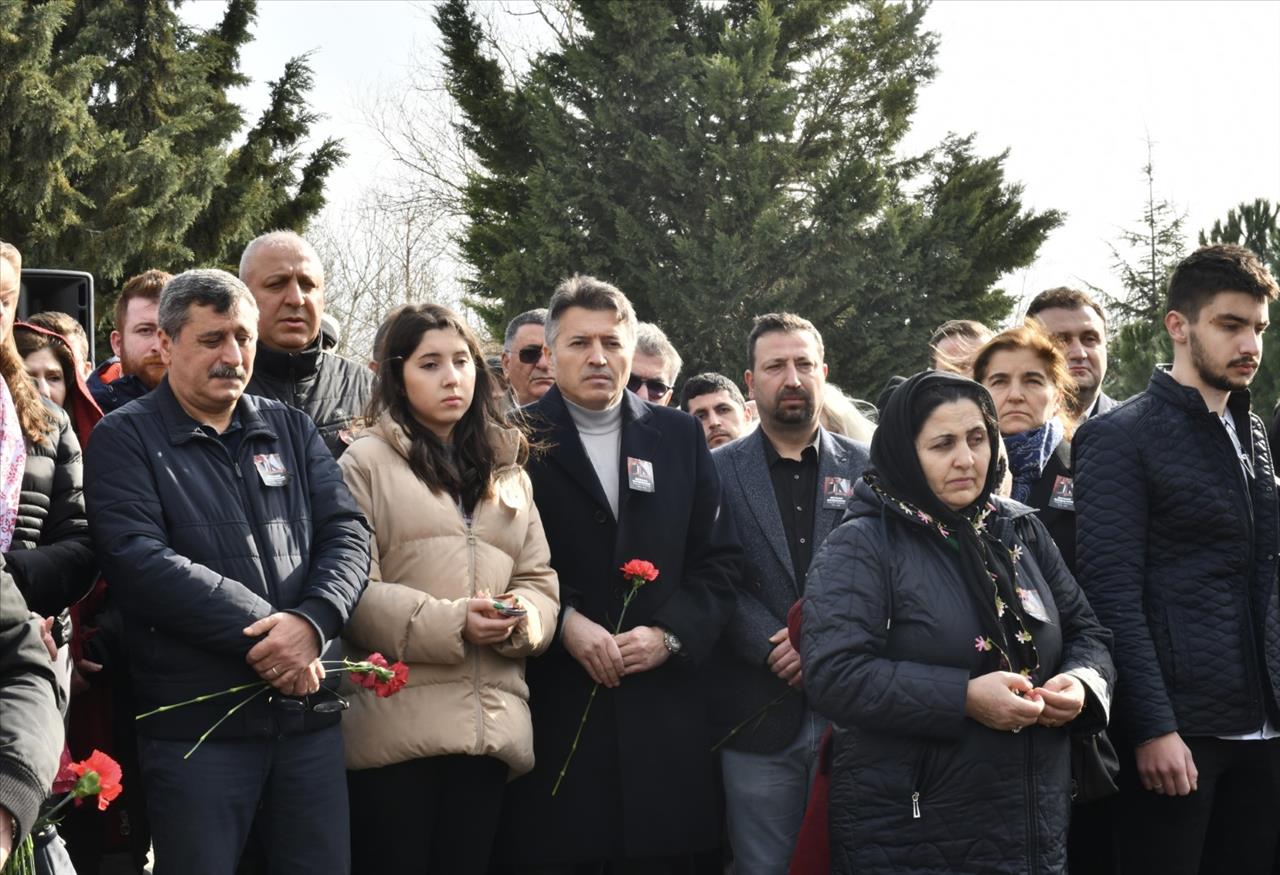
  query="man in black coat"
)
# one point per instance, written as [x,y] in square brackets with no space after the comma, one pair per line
[620,479]
[1175,495]
[786,485]
[236,554]
[287,280]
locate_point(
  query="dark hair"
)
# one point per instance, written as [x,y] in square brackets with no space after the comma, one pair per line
[1211,270]
[464,470]
[28,341]
[588,293]
[146,285]
[528,317]
[1067,299]
[786,323]
[64,324]
[706,384]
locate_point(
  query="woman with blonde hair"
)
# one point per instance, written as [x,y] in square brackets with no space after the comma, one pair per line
[461,589]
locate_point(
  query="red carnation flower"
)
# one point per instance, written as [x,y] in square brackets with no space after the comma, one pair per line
[98,775]
[377,675]
[639,571]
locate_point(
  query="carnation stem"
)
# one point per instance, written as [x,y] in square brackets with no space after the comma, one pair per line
[206,697]
[758,715]
[233,710]
[573,748]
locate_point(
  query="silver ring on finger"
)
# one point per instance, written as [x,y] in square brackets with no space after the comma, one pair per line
[275,671]
[1016,729]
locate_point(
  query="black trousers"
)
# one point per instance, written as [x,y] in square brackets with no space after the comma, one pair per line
[432,815]
[1229,826]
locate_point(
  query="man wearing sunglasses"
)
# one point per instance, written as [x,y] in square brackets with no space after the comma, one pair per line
[655,366]
[526,362]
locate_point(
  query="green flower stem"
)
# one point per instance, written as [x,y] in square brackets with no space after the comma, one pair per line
[636,583]
[23,859]
[206,697]
[236,708]
[758,715]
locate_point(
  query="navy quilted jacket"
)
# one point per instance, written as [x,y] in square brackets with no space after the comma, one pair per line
[918,788]
[1179,561]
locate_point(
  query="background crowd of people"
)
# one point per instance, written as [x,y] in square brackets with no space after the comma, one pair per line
[996,622]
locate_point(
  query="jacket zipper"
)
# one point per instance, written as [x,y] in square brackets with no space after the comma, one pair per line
[917,782]
[1250,571]
[475,651]
[267,571]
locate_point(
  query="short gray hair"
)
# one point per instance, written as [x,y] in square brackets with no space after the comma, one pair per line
[528,317]
[206,287]
[277,238]
[652,340]
[588,293]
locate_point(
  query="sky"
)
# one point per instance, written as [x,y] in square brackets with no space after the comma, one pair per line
[1073,90]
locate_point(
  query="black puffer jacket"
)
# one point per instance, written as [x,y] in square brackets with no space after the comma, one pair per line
[51,555]
[888,649]
[326,387]
[1179,560]
[197,547]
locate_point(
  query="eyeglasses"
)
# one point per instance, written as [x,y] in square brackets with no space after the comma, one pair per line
[656,387]
[529,355]
[298,706]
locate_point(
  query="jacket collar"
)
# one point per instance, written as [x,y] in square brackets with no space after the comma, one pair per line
[297,366]
[1165,387]
[639,439]
[182,428]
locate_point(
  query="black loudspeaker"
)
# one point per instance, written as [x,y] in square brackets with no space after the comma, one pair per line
[69,291]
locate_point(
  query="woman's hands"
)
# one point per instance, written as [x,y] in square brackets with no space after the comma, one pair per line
[485,625]
[1063,697]
[1006,701]
[998,700]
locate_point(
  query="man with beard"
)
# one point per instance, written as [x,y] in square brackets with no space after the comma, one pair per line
[1078,326]
[236,554]
[136,368]
[287,280]
[716,402]
[786,485]
[1175,498]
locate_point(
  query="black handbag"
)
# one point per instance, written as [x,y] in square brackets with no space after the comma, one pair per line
[1094,767]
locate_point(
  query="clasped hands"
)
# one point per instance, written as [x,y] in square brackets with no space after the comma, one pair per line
[288,658]
[1008,701]
[607,657]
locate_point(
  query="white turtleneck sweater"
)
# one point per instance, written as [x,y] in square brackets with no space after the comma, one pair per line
[601,435]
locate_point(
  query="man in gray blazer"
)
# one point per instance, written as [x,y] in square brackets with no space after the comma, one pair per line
[786,485]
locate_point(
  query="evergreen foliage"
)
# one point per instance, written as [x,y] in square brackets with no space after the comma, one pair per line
[721,160]
[117,129]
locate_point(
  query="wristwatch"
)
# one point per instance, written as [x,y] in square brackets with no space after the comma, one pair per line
[671,642]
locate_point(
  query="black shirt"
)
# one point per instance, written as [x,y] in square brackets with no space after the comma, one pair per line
[795,486]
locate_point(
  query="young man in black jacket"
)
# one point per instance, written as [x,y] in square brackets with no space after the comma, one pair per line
[1177,520]
[237,554]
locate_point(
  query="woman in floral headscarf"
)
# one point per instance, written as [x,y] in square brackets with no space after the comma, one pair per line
[951,648]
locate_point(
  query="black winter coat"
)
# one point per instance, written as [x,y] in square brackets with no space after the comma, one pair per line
[642,783]
[197,547]
[51,555]
[1179,561]
[328,388]
[888,650]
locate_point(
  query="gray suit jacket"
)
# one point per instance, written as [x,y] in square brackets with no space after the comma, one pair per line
[769,588]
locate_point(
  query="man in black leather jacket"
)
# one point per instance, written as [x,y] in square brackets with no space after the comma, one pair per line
[1177,538]
[287,280]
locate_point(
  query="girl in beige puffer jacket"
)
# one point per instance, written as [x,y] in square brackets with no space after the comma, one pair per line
[455,532]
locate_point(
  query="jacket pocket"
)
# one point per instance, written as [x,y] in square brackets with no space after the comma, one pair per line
[920,778]
[1178,668]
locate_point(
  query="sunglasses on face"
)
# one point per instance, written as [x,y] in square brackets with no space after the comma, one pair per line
[656,387]
[529,355]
